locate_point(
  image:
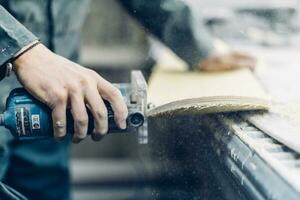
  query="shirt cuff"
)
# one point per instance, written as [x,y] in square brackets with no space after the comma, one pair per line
[13,37]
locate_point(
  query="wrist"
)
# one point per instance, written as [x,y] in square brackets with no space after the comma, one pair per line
[24,49]
[23,56]
[10,65]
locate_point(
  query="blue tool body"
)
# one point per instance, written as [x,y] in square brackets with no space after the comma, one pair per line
[27,118]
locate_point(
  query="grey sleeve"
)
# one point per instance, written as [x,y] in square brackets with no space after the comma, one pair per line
[176,25]
[13,37]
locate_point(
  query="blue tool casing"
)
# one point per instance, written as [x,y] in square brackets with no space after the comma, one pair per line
[27,118]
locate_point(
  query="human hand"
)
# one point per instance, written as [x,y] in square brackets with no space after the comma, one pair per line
[228,61]
[62,84]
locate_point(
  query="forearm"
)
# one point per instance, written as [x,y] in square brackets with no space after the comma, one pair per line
[13,37]
[176,25]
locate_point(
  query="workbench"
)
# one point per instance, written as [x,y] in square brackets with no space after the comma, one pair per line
[262,166]
[226,156]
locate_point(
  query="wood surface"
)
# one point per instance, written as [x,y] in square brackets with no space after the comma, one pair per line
[178,91]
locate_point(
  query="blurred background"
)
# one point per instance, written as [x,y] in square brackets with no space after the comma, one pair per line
[167,168]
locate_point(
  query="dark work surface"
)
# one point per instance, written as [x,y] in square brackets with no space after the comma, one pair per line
[181,145]
[197,154]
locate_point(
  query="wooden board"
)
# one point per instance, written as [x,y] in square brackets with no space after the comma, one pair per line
[178,91]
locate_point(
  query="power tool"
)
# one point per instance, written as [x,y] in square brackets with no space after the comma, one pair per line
[29,119]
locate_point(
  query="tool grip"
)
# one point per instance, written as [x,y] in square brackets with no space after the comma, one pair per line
[27,118]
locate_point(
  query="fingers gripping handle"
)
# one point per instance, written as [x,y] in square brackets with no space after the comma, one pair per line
[27,118]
